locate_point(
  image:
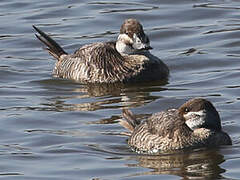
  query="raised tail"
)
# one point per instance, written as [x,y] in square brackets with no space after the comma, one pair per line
[52,46]
[130,121]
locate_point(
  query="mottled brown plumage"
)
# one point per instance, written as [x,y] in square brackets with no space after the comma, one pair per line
[168,131]
[126,60]
[131,26]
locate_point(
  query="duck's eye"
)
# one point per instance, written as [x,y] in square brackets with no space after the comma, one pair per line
[186,110]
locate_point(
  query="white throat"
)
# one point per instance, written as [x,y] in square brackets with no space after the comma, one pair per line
[195,119]
[122,44]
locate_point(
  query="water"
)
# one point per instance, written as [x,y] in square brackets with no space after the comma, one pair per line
[59,129]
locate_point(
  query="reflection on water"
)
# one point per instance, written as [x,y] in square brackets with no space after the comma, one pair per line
[217,6]
[105,95]
[118,7]
[189,165]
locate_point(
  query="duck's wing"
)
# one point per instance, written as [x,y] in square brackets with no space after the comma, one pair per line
[102,63]
[94,63]
[167,123]
[101,54]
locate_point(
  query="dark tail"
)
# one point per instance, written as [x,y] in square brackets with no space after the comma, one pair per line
[52,46]
[130,121]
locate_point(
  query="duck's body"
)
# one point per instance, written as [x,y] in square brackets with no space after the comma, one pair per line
[169,130]
[126,60]
[101,63]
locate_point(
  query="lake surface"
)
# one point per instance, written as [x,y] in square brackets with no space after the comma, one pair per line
[59,129]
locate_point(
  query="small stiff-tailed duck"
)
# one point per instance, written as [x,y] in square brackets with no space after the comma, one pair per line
[195,124]
[126,60]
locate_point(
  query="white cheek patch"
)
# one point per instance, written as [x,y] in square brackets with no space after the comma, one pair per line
[138,44]
[195,119]
[125,39]
[122,44]
[135,37]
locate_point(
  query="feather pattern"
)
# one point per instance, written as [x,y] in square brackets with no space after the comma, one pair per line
[103,63]
[168,131]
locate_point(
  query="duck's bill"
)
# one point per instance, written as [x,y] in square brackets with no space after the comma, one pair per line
[147,48]
[141,42]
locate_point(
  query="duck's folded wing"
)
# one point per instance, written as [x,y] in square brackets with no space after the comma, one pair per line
[166,123]
[103,63]
[101,54]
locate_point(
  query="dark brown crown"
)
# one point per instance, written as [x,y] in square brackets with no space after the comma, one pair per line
[131,26]
[197,104]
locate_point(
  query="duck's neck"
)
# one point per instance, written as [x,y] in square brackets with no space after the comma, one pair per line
[124,49]
[123,44]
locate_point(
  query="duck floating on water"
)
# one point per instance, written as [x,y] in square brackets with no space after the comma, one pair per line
[126,60]
[195,124]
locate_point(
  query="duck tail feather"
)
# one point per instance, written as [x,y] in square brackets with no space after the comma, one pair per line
[129,122]
[53,47]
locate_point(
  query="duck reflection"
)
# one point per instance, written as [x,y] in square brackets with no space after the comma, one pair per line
[203,164]
[71,96]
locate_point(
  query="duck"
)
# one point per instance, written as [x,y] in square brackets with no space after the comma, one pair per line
[125,60]
[195,124]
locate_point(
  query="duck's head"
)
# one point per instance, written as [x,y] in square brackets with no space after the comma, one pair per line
[200,113]
[132,38]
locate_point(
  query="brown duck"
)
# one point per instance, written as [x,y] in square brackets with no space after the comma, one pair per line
[126,60]
[195,124]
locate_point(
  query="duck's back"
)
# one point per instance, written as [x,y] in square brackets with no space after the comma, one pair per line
[163,131]
[101,63]
[167,131]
